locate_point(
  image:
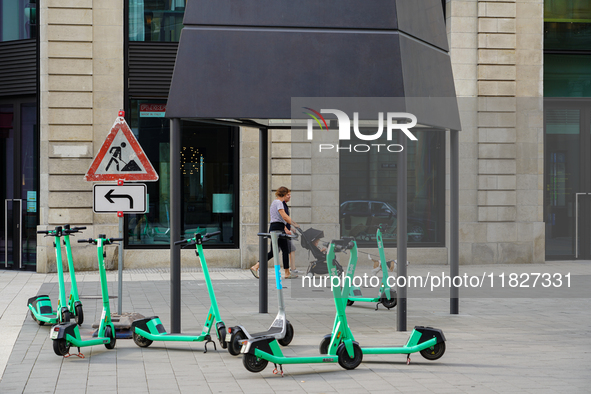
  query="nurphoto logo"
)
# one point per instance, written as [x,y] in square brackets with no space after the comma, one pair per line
[391,120]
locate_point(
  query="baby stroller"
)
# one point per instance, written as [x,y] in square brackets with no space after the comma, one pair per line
[318,266]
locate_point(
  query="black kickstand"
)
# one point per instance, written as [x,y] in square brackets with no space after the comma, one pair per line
[208,341]
[79,355]
[275,371]
[377,305]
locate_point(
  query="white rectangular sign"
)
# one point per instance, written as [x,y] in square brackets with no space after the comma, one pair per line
[129,198]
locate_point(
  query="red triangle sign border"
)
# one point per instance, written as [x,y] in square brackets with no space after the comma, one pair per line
[149,175]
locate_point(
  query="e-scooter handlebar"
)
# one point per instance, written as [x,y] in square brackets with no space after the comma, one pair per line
[71,230]
[208,236]
[343,244]
[193,241]
[56,232]
[281,235]
[108,241]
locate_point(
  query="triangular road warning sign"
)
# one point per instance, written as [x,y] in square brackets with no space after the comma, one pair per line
[121,157]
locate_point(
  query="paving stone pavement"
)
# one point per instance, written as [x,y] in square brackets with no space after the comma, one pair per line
[538,344]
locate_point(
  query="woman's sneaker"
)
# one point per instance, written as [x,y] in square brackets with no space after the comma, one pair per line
[294,271]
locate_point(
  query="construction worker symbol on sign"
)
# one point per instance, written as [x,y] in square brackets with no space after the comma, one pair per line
[121,158]
[115,151]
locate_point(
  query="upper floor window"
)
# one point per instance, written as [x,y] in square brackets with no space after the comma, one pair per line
[567,25]
[18,19]
[156,20]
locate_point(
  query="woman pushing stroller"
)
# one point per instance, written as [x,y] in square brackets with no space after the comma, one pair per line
[279,221]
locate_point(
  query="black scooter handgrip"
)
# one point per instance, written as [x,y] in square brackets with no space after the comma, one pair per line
[209,235]
[115,239]
[266,235]
[182,241]
[79,228]
[89,240]
[43,232]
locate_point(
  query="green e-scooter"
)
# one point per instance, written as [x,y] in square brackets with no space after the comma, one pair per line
[65,335]
[428,341]
[259,351]
[40,305]
[150,329]
[386,295]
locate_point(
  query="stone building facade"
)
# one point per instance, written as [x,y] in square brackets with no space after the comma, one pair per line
[496,52]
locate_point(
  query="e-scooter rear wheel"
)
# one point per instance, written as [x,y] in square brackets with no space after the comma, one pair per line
[109,333]
[141,341]
[61,347]
[347,362]
[236,341]
[434,352]
[41,323]
[253,363]
[79,317]
[286,340]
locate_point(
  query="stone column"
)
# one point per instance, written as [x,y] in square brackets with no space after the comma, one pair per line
[81,52]
[505,120]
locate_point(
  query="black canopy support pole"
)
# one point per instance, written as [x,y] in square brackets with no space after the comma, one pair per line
[263,204]
[454,221]
[401,236]
[175,225]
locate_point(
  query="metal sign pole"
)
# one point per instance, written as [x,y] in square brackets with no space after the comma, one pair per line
[120,261]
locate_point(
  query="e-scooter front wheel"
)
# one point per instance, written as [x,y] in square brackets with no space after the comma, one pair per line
[61,347]
[222,336]
[110,333]
[434,352]
[389,303]
[349,362]
[65,316]
[236,341]
[253,363]
[79,317]
[324,344]
[286,340]
[141,341]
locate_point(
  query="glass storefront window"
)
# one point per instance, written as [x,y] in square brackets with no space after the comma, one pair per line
[368,187]
[18,19]
[156,20]
[208,171]
[562,179]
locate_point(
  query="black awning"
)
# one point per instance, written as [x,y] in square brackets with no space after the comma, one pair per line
[247,59]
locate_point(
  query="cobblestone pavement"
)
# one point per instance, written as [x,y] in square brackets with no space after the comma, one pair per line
[538,341]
